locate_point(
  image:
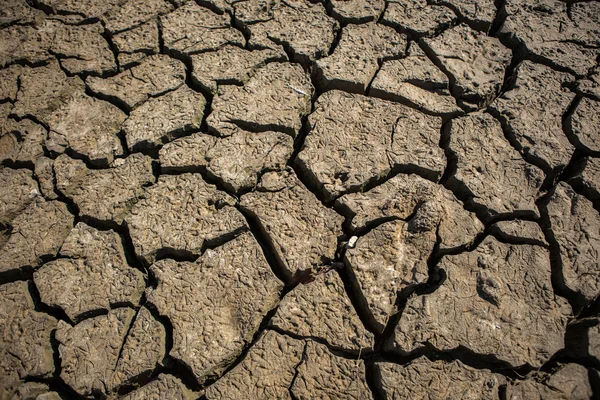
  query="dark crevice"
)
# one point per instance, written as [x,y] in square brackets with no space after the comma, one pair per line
[40,306]
[373,379]
[114,100]
[296,372]
[567,125]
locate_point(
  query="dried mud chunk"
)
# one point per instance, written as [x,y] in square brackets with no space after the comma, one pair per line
[132,13]
[90,349]
[25,349]
[275,98]
[9,82]
[83,49]
[143,349]
[533,111]
[492,303]
[229,65]
[589,179]
[33,391]
[391,258]
[321,373]
[553,34]
[584,122]
[355,139]
[322,309]
[192,29]
[165,386]
[266,372]
[104,194]
[94,276]
[88,127]
[416,80]
[570,382]
[44,91]
[179,214]
[22,43]
[237,161]
[489,170]
[225,295]
[303,232]
[137,43]
[303,27]
[477,13]
[357,11]
[38,232]
[417,17]
[164,118]
[590,86]
[18,190]
[576,227]
[435,380]
[22,142]
[476,62]
[520,231]
[354,62]
[87,8]
[156,75]
[401,196]
[18,12]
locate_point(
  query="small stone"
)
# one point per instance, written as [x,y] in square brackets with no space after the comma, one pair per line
[415,80]
[26,347]
[224,296]
[570,381]
[354,140]
[93,277]
[492,303]
[237,161]
[391,258]
[576,227]
[533,110]
[37,233]
[356,58]
[322,309]
[104,195]
[417,17]
[584,122]
[179,215]
[489,170]
[165,386]
[193,29]
[89,350]
[301,230]
[266,372]
[275,99]
[156,75]
[477,63]
[164,118]
[421,378]
[230,65]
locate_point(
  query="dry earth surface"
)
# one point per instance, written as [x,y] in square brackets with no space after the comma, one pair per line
[301,199]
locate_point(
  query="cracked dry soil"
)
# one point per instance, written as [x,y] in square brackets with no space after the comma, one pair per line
[301,199]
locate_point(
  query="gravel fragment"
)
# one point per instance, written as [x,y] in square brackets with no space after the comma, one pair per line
[193,29]
[532,112]
[94,275]
[25,348]
[322,309]
[356,58]
[104,195]
[225,294]
[476,63]
[37,233]
[435,380]
[274,99]
[164,118]
[237,161]
[576,228]
[302,231]
[179,215]
[156,75]
[417,17]
[492,303]
[489,170]
[90,349]
[266,372]
[354,140]
[416,81]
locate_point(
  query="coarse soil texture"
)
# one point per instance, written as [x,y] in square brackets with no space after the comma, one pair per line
[299,199]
